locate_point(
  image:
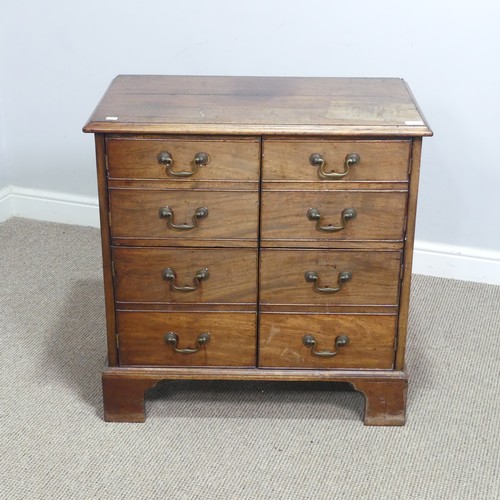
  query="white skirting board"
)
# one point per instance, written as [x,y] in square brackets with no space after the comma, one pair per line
[48,205]
[432,259]
[456,262]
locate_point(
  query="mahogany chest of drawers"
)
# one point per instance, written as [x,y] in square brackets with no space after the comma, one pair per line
[257,228]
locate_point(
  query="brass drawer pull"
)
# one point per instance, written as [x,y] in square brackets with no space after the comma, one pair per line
[310,342]
[199,160]
[168,213]
[312,277]
[316,160]
[169,275]
[347,215]
[172,338]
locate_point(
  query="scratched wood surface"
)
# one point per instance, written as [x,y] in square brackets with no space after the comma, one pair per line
[374,277]
[284,220]
[243,105]
[371,340]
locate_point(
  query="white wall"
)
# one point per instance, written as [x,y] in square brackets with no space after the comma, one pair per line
[3,166]
[58,58]
[5,205]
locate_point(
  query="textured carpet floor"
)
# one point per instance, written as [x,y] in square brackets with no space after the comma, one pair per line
[225,440]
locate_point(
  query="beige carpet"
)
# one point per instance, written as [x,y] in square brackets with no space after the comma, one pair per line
[216,440]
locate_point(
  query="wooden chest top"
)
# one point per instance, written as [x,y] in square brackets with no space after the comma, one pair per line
[262,105]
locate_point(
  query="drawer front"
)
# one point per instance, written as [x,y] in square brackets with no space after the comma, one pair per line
[324,216]
[208,276]
[380,161]
[216,216]
[369,344]
[227,159]
[287,277]
[146,339]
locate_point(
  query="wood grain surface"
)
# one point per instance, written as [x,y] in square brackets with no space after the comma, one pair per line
[142,338]
[109,297]
[232,276]
[404,303]
[380,217]
[384,390]
[230,159]
[231,216]
[371,340]
[375,277]
[258,105]
[385,161]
